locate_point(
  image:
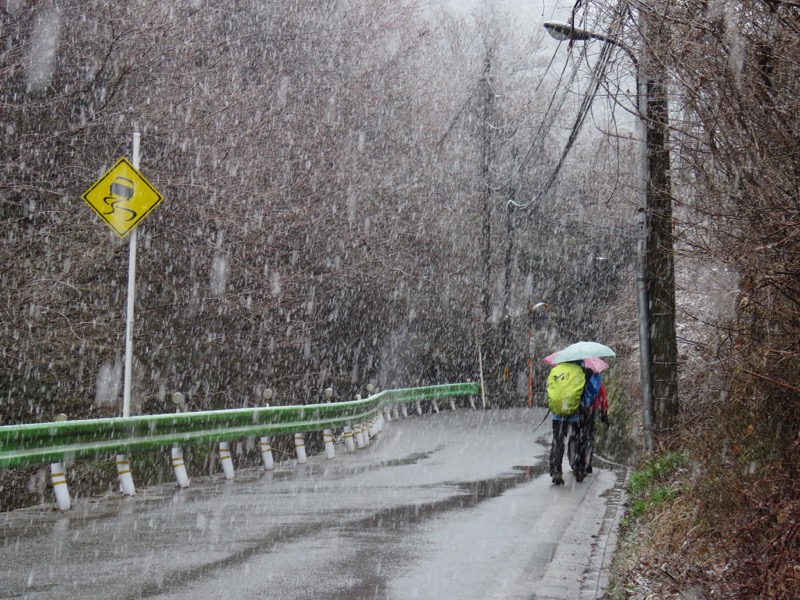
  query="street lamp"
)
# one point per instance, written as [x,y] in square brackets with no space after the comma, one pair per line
[655,277]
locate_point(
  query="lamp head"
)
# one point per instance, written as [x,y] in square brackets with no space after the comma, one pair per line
[564,31]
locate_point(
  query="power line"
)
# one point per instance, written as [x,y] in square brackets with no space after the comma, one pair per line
[598,76]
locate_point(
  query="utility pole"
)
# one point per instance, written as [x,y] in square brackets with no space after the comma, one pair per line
[487,155]
[660,265]
[656,277]
[506,337]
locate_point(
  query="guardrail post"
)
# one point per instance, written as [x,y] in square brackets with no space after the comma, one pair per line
[379,420]
[125,478]
[349,444]
[359,435]
[178,464]
[368,427]
[266,441]
[435,406]
[365,432]
[225,459]
[327,437]
[394,409]
[358,431]
[404,411]
[419,408]
[300,448]
[327,434]
[58,477]
[266,453]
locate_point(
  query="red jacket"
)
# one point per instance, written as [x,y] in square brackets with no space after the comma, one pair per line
[600,402]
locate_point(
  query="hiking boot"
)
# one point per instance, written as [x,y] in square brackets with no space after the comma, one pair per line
[580,475]
[588,469]
[558,479]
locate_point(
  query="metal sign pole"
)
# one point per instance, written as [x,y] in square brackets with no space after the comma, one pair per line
[126,398]
[477,317]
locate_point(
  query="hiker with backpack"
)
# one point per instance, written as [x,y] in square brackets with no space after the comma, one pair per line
[570,392]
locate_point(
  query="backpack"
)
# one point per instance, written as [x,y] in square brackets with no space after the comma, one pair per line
[564,388]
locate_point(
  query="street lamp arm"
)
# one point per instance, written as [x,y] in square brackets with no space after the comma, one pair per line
[566,32]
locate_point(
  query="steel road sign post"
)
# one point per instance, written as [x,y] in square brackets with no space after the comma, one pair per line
[126,395]
[122,197]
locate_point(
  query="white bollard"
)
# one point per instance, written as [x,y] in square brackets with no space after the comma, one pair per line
[58,477]
[348,439]
[179,467]
[179,400]
[327,437]
[300,448]
[435,406]
[387,414]
[395,412]
[365,432]
[472,402]
[452,405]
[359,435]
[266,453]
[404,411]
[125,478]
[225,459]
[419,408]
[266,441]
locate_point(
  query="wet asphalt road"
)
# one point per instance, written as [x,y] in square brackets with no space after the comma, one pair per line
[455,505]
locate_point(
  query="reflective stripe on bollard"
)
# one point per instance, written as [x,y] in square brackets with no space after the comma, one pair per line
[179,466]
[327,437]
[225,459]
[300,448]
[266,453]
[125,477]
[58,477]
[348,439]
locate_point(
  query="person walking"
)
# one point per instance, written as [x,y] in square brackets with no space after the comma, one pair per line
[570,391]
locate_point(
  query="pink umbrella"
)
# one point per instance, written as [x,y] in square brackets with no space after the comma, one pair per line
[598,365]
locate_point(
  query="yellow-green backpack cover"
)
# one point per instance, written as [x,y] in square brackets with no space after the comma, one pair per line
[564,388]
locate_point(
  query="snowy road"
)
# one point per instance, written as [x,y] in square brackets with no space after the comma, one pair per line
[454,505]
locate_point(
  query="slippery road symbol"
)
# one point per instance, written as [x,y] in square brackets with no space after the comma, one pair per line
[122,197]
[120,192]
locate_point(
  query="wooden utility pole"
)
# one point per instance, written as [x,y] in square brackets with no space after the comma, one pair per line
[660,262]
[487,155]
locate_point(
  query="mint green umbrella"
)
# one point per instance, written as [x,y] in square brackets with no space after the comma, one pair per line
[580,351]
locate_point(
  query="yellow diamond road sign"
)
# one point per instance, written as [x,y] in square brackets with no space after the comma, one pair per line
[122,197]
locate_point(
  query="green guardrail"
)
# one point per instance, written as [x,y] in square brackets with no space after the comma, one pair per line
[65,440]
